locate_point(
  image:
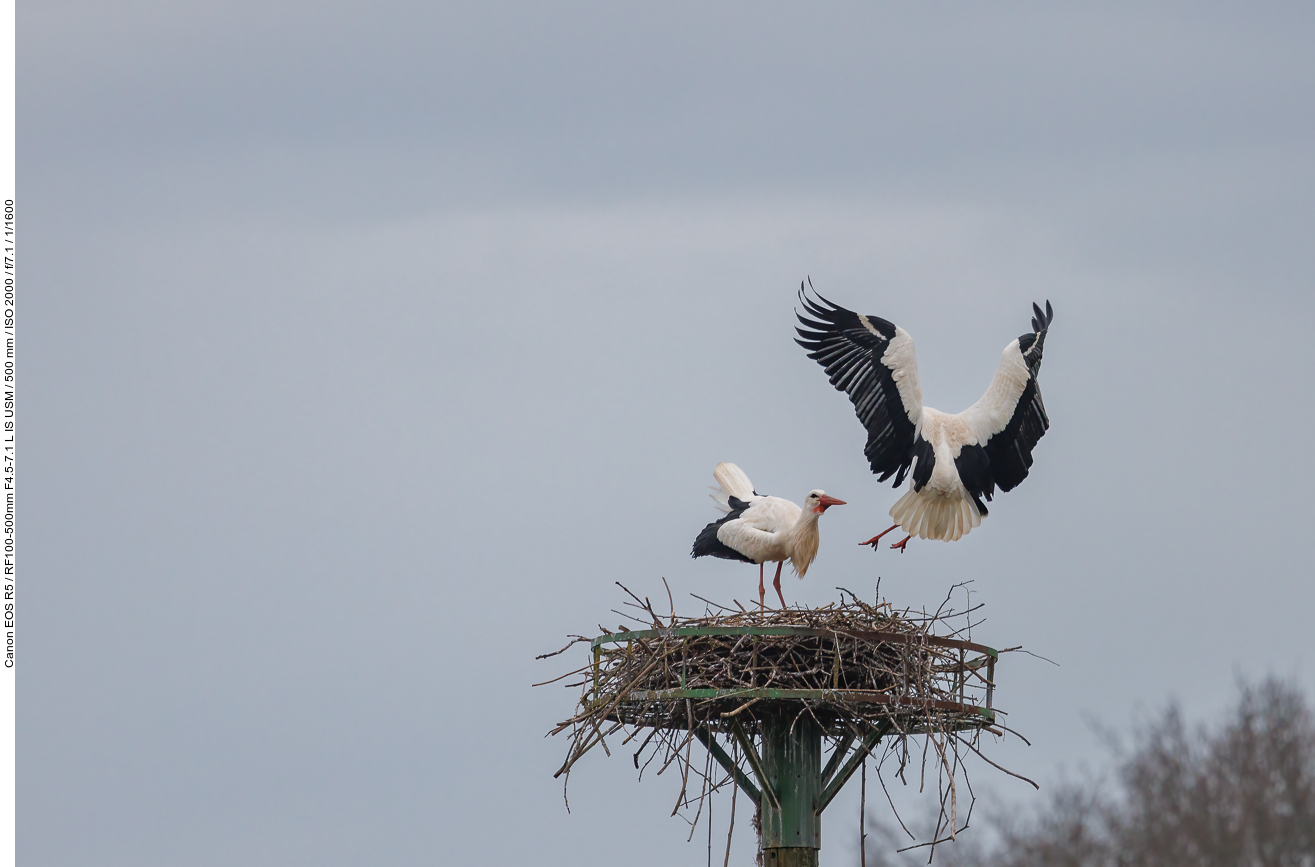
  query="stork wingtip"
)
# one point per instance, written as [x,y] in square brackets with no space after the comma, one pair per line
[1041,319]
[816,308]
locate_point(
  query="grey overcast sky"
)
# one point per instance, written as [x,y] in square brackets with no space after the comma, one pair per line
[364,346]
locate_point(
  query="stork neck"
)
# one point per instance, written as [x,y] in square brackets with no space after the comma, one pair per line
[803,540]
[806,525]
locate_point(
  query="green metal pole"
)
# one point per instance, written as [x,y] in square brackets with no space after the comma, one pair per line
[792,759]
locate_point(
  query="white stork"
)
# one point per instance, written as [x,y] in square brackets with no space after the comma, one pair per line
[954,461]
[759,529]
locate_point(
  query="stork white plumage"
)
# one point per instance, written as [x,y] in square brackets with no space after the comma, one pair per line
[954,462]
[760,529]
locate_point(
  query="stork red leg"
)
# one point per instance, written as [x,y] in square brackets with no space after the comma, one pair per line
[901,544]
[877,538]
[777,583]
[762,593]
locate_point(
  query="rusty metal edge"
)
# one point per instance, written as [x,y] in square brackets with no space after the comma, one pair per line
[862,635]
[847,695]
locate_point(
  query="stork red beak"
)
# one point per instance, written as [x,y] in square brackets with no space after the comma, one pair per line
[824,501]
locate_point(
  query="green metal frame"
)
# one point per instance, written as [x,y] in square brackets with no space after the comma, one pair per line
[866,696]
[705,737]
[839,753]
[867,635]
[792,788]
[833,785]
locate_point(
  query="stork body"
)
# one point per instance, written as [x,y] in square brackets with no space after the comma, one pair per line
[954,462]
[760,529]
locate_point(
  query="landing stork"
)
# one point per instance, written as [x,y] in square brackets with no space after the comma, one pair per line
[954,462]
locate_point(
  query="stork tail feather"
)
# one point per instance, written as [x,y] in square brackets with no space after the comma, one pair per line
[734,483]
[928,515]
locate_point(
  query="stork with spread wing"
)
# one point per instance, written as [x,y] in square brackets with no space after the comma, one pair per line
[954,462]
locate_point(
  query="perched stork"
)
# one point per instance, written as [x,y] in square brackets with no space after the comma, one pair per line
[759,529]
[954,461]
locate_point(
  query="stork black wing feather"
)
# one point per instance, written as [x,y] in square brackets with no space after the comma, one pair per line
[708,545]
[1010,450]
[850,352]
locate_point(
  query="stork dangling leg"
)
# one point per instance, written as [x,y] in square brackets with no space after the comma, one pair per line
[877,538]
[777,583]
[900,544]
[762,592]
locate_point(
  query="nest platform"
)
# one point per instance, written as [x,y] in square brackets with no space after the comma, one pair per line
[775,687]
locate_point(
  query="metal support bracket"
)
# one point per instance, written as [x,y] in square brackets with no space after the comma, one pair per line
[756,763]
[705,737]
[874,735]
[834,761]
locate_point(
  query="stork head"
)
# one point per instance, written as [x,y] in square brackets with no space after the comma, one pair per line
[819,502]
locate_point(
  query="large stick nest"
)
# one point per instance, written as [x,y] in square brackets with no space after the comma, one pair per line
[851,666]
[856,662]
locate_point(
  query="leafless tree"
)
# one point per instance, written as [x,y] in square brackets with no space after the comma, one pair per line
[1237,794]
